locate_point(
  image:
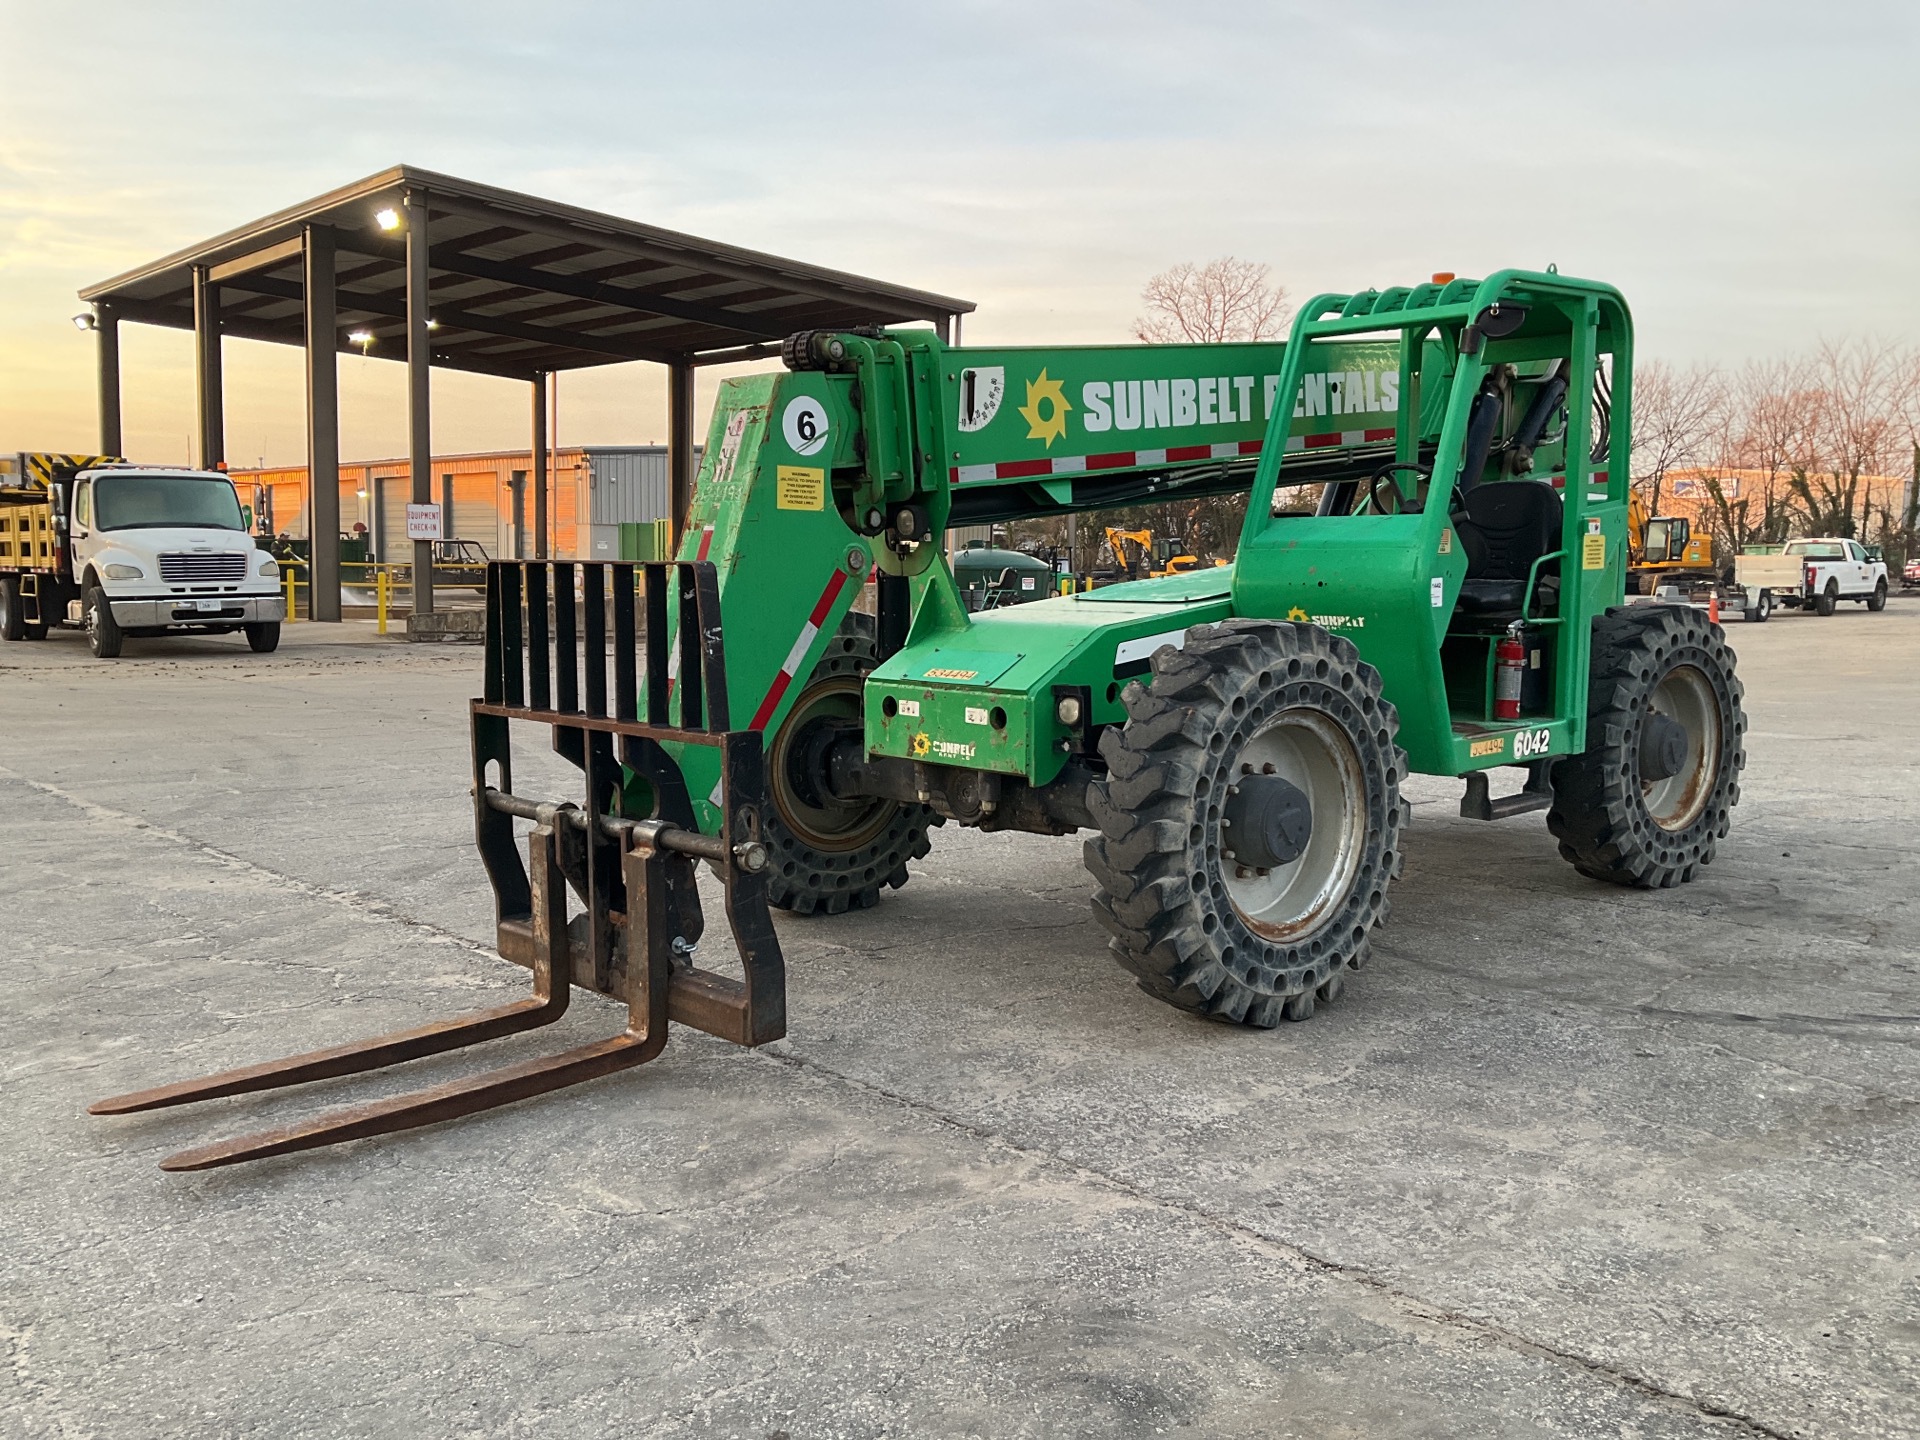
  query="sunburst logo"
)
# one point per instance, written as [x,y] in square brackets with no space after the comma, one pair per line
[1045,398]
[921,744]
[1298,616]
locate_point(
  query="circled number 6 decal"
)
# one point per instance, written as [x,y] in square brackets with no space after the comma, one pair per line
[805,425]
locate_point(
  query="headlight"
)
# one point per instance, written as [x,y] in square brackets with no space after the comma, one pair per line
[125,572]
[267,565]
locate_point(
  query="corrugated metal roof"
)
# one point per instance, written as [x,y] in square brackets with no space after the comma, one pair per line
[519,285]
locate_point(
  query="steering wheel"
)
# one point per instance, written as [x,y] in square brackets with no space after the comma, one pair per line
[1376,491]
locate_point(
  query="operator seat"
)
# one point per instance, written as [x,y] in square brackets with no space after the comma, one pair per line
[1505,527]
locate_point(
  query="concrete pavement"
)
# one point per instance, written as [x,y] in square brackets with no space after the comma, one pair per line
[1564,1160]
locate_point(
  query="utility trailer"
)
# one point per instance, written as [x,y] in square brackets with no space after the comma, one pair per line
[1430,577]
[1760,584]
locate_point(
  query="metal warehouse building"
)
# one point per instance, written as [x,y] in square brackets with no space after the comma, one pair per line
[486,498]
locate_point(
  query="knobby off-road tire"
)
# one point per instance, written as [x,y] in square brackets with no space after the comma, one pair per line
[825,856]
[1197,928]
[1614,820]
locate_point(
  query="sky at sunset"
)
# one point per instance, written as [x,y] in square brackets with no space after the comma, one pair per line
[1749,174]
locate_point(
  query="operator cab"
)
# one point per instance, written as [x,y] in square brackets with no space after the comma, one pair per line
[1489,500]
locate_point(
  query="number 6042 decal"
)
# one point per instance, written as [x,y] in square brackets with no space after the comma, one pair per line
[1529,743]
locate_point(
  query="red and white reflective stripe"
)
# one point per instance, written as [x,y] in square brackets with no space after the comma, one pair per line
[797,656]
[706,542]
[1134,459]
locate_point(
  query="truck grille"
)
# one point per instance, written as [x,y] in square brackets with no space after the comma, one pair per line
[179,569]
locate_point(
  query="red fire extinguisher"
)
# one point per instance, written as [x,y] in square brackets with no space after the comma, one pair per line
[1509,667]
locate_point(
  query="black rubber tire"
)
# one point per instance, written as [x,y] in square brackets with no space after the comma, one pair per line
[1824,602]
[1760,607]
[1599,813]
[13,625]
[263,637]
[806,879]
[1877,601]
[1187,943]
[103,631]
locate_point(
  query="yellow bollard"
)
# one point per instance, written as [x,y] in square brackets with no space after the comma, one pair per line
[287,578]
[380,583]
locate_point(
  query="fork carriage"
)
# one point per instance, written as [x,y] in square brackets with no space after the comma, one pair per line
[627,854]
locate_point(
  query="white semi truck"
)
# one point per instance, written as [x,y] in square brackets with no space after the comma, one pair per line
[129,550]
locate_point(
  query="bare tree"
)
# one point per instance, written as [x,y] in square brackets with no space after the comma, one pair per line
[1677,416]
[1907,433]
[1909,425]
[1778,407]
[1817,441]
[1852,432]
[1222,300]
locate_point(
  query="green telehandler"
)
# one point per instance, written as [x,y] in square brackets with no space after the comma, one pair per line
[1429,578]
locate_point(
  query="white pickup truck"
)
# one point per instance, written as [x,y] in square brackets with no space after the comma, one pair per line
[125,550]
[1816,574]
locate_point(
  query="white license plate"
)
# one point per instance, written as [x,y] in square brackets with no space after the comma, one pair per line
[214,605]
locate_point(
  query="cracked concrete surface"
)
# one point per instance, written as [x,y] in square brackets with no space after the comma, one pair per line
[1564,1161]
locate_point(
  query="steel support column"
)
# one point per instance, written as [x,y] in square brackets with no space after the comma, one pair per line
[540,467]
[108,331]
[207,381]
[323,429]
[680,445]
[419,424]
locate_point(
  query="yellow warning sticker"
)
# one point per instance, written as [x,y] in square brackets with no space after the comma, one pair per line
[800,487]
[1593,552]
[1446,540]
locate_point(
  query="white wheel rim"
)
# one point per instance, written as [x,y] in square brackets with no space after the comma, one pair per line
[1686,695]
[1313,752]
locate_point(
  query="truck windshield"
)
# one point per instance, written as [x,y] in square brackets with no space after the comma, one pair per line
[148,502]
[1815,551]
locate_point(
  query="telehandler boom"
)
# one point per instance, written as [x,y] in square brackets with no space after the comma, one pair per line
[1429,578]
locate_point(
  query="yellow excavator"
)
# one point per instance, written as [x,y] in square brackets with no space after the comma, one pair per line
[1663,550]
[1150,558]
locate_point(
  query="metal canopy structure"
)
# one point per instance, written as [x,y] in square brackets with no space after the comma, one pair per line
[436,271]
